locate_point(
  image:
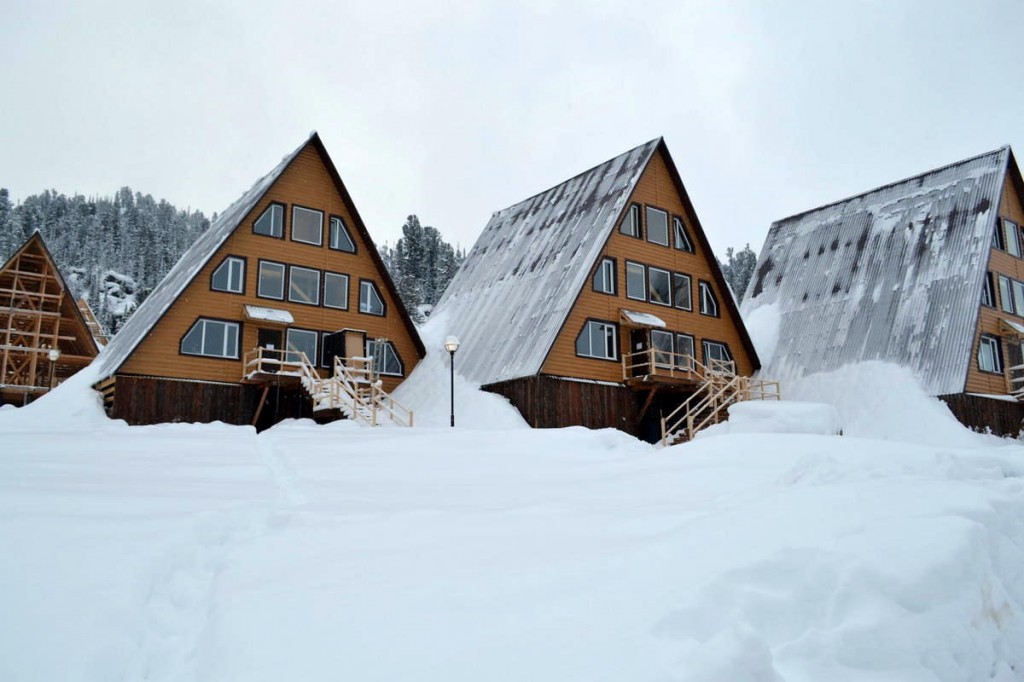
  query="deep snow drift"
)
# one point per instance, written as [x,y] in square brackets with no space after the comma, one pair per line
[208,552]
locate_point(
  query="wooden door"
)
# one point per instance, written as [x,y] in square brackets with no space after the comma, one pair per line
[355,343]
[639,342]
[271,339]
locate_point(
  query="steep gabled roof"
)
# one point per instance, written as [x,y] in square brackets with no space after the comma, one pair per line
[894,274]
[145,318]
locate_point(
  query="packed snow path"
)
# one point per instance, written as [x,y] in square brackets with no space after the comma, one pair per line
[321,553]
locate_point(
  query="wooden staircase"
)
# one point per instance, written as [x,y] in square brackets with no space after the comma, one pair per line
[354,390]
[720,387]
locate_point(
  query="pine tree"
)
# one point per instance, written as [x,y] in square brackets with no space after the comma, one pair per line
[738,269]
[421,265]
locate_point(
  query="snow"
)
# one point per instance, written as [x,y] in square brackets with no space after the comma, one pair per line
[1015,326]
[496,552]
[762,325]
[643,319]
[255,312]
[783,416]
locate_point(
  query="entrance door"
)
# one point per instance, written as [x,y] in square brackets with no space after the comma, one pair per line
[355,343]
[272,339]
[639,343]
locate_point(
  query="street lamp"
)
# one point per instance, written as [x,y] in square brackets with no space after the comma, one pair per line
[54,357]
[451,344]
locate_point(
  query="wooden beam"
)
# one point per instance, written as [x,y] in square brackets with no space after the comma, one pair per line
[647,404]
[259,407]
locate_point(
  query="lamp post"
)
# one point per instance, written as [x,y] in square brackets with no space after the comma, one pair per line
[451,344]
[54,357]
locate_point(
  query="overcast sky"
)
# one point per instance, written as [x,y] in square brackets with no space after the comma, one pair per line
[455,110]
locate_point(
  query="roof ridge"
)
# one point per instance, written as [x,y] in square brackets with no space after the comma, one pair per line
[894,183]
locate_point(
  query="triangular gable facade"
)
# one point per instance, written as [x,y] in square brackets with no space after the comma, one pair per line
[302,263]
[520,301]
[895,275]
[38,314]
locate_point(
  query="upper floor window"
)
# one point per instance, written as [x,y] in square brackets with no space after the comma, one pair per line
[990,358]
[229,276]
[271,280]
[335,291]
[683,242]
[708,302]
[212,339]
[385,357]
[997,237]
[304,285]
[270,222]
[370,301]
[988,294]
[307,225]
[604,276]
[681,293]
[631,223]
[659,286]
[597,340]
[340,239]
[1012,237]
[657,226]
[636,286]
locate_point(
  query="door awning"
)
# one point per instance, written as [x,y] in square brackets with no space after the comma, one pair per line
[1012,327]
[269,315]
[633,318]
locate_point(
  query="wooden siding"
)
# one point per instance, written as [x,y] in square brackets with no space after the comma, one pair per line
[1000,263]
[1001,417]
[655,189]
[548,402]
[306,183]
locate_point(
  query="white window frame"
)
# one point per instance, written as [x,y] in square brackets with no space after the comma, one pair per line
[663,357]
[276,231]
[235,266]
[1005,295]
[288,344]
[642,269]
[680,354]
[1018,296]
[687,301]
[609,332]
[320,224]
[1012,238]
[708,345]
[708,300]
[368,286]
[259,280]
[651,270]
[988,346]
[337,275]
[631,226]
[316,287]
[342,229]
[679,228]
[605,275]
[229,350]
[988,294]
[649,211]
[380,364]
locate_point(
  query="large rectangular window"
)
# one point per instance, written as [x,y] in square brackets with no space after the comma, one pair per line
[631,223]
[685,352]
[661,342]
[657,226]
[271,280]
[307,225]
[212,339]
[990,357]
[636,286]
[604,277]
[708,301]
[659,286]
[302,341]
[229,276]
[304,285]
[681,293]
[1012,237]
[335,290]
[597,340]
[370,301]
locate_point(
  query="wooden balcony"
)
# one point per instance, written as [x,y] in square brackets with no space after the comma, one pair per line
[659,368]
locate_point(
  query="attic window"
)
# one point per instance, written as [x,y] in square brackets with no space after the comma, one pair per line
[990,358]
[1012,237]
[635,285]
[307,226]
[597,340]
[681,293]
[988,293]
[340,239]
[708,302]
[385,357]
[604,276]
[657,226]
[370,301]
[229,276]
[270,222]
[631,223]
[683,242]
[212,339]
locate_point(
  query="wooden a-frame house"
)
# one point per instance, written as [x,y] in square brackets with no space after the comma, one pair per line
[44,336]
[282,308]
[926,272]
[599,303]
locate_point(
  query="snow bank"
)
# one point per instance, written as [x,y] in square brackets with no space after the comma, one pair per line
[782,416]
[763,323]
[72,406]
[426,391]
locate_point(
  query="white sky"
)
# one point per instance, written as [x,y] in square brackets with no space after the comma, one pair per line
[454,110]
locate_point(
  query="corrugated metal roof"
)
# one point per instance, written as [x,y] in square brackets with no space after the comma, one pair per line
[894,274]
[511,296]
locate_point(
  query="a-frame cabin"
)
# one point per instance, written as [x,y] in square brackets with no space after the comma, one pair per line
[282,308]
[926,272]
[44,337]
[600,303]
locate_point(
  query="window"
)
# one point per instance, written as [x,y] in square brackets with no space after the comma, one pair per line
[336,291]
[370,301]
[229,276]
[271,283]
[304,285]
[635,284]
[340,238]
[659,285]
[997,238]
[661,342]
[212,339]
[713,350]
[1012,237]
[1018,296]
[385,358]
[989,356]
[1005,299]
[708,302]
[307,226]
[604,276]
[301,341]
[657,226]
[597,340]
[684,351]
[683,242]
[681,293]
[270,222]
[631,223]
[988,293]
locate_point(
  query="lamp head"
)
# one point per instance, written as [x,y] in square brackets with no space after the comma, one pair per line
[54,354]
[451,344]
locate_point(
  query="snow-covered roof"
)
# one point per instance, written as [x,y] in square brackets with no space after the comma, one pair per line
[894,274]
[256,312]
[509,299]
[643,319]
[1015,326]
